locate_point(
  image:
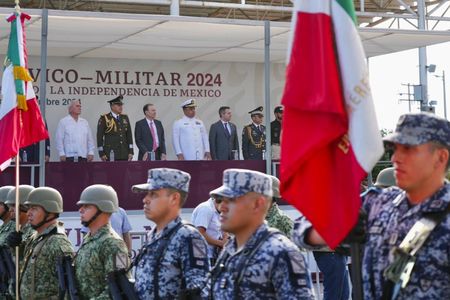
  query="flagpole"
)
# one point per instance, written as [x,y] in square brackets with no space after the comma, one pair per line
[17,206]
[17,212]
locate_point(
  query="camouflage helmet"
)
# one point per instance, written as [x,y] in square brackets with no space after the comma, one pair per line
[4,190]
[47,197]
[24,191]
[102,196]
[385,178]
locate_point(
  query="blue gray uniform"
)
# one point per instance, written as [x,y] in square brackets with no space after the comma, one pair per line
[387,226]
[277,270]
[184,265]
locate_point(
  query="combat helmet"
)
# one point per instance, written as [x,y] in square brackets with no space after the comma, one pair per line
[24,191]
[102,196]
[385,178]
[47,197]
[4,190]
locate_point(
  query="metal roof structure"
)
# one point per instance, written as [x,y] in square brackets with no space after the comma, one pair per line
[86,34]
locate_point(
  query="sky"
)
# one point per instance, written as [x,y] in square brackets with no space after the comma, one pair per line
[389,72]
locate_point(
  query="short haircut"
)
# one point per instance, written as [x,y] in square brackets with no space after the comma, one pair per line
[144,109]
[222,110]
[72,104]
[436,146]
[183,195]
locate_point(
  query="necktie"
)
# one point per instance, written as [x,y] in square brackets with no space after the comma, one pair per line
[227,131]
[152,131]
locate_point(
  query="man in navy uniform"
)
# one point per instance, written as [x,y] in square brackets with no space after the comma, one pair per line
[254,136]
[114,133]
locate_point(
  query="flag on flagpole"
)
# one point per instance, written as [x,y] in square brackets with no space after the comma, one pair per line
[21,123]
[330,138]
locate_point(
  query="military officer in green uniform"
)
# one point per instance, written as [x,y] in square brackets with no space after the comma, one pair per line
[114,136]
[254,136]
[38,277]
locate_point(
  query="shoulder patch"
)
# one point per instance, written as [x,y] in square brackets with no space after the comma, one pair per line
[121,261]
[297,262]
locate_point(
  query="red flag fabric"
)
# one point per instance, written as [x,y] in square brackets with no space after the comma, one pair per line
[320,173]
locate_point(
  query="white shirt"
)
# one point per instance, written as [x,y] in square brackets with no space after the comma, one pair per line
[190,138]
[206,215]
[74,137]
[151,123]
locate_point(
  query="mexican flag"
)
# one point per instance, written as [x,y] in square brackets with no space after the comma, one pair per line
[21,123]
[330,137]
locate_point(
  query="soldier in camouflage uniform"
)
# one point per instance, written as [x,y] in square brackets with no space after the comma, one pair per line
[264,265]
[254,136]
[6,228]
[114,133]
[174,263]
[38,277]
[5,214]
[421,144]
[103,250]
[21,238]
[276,218]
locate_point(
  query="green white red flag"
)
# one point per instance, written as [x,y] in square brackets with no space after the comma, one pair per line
[331,138]
[21,123]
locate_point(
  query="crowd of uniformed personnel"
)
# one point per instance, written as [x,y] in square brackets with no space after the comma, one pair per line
[191,140]
[404,230]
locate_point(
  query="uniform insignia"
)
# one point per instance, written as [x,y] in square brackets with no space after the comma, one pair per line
[198,249]
[121,261]
[296,262]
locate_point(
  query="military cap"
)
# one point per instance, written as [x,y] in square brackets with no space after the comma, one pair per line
[188,103]
[420,128]
[161,178]
[257,111]
[117,100]
[275,187]
[278,109]
[238,182]
[385,178]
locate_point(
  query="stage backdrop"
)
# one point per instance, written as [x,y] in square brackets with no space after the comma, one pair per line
[163,83]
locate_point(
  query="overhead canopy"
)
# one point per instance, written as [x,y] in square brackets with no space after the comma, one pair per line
[117,35]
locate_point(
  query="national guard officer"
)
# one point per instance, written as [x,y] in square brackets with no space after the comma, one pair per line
[254,136]
[174,263]
[5,215]
[258,262]
[22,237]
[406,253]
[114,133]
[38,278]
[103,251]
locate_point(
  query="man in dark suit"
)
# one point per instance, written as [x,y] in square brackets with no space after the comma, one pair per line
[254,136]
[114,133]
[223,140]
[149,136]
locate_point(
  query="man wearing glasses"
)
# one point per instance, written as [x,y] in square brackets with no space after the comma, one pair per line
[114,138]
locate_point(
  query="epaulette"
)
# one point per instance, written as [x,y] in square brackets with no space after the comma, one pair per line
[373,190]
